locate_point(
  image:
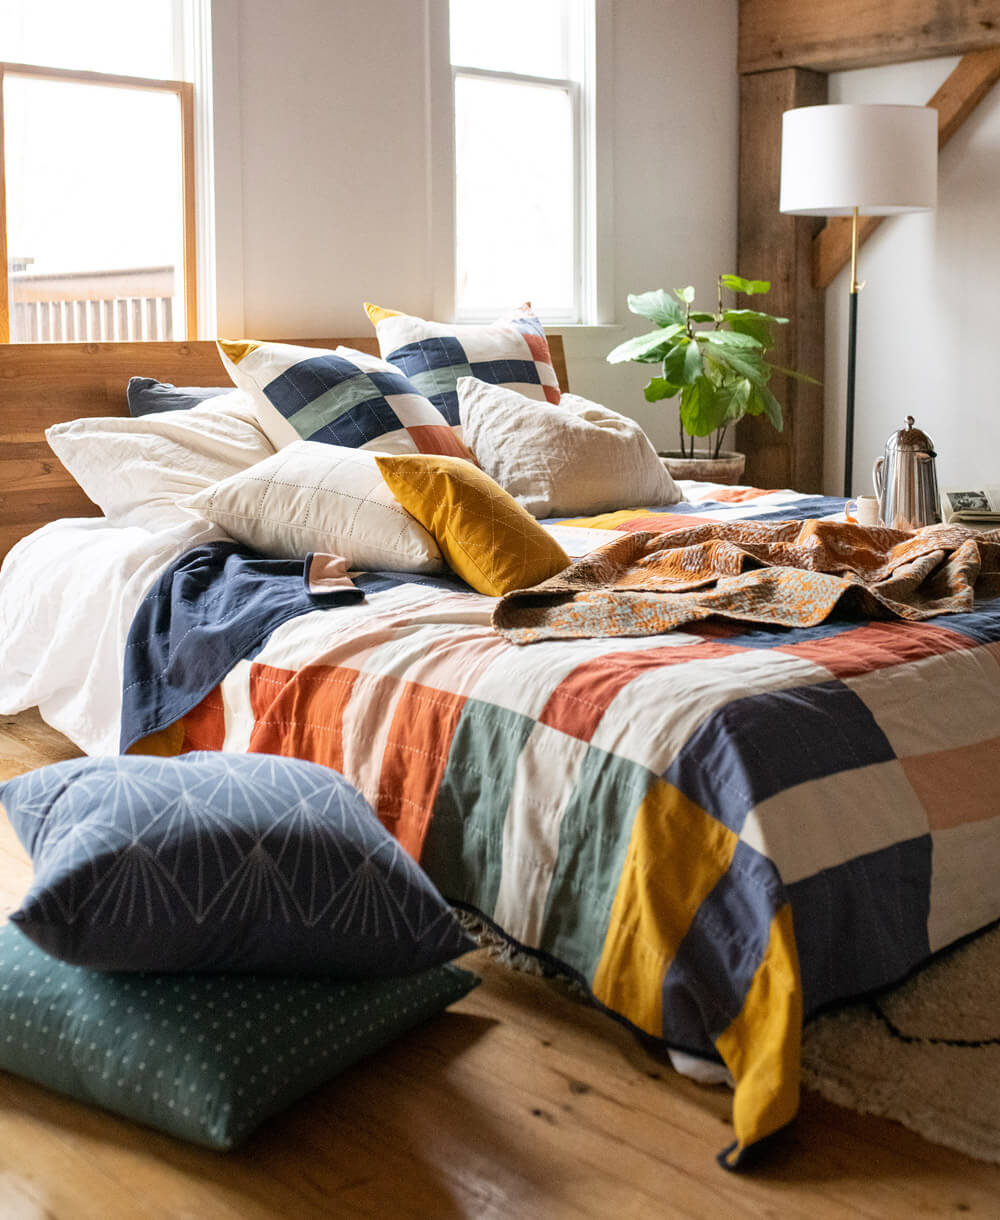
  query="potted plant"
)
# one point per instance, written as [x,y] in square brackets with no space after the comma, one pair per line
[720,372]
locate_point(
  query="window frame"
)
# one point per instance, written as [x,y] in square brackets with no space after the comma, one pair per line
[575,89]
[184,90]
[596,257]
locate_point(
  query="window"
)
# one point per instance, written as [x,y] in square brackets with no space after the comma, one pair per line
[521,138]
[97,172]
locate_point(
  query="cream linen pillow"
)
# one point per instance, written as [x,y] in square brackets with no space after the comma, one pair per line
[136,470]
[561,461]
[311,496]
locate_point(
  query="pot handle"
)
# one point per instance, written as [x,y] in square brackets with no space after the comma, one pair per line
[877,476]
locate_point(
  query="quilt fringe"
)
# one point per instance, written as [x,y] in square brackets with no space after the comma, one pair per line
[518,957]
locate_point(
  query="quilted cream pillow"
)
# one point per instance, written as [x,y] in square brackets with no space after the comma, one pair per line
[137,470]
[562,461]
[484,535]
[314,497]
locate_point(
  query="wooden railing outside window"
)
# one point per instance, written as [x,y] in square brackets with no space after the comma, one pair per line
[134,303]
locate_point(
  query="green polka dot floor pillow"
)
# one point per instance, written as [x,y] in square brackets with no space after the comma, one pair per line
[211,861]
[203,1057]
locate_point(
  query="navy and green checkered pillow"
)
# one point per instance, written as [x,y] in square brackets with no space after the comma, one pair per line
[512,352]
[341,397]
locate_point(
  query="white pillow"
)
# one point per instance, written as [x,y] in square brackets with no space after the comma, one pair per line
[561,461]
[316,497]
[136,470]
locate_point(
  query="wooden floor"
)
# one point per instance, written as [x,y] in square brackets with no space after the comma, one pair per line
[519,1102]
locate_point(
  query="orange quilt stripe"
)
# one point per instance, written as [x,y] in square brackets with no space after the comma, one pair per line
[414,761]
[878,646]
[957,786]
[736,495]
[205,725]
[301,714]
[577,704]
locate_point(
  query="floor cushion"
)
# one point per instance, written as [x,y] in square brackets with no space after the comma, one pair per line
[213,861]
[203,1057]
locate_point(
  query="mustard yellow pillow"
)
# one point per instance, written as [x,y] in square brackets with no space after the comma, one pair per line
[484,534]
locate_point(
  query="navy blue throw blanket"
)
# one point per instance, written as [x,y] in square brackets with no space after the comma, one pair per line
[211,608]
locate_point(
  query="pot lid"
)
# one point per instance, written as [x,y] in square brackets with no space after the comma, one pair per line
[910,439]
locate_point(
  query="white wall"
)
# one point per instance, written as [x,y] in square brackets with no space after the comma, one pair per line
[324,164]
[927,317]
[676,153]
[333,161]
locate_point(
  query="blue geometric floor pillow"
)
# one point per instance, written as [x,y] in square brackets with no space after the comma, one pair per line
[220,862]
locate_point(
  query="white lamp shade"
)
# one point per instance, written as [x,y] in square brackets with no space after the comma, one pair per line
[878,159]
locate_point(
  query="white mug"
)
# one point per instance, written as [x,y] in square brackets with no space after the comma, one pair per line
[863,510]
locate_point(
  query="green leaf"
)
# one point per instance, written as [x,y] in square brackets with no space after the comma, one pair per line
[699,316]
[762,402]
[683,365]
[647,349]
[734,397]
[744,363]
[685,294]
[658,388]
[750,322]
[797,376]
[731,315]
[736,283]
[701,411]
[657,306]
[732,338]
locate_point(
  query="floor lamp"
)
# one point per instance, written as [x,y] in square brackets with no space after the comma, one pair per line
[851,160]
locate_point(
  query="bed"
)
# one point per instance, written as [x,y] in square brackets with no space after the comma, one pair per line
[716,832]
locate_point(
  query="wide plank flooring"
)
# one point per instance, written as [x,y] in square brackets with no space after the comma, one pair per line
[518,1102]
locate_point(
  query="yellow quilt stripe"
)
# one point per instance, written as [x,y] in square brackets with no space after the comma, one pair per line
[663,883]
[762,1047]
[164,743]
[237,351]
[608,521]
[376,313]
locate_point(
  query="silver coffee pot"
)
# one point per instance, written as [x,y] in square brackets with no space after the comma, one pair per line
[906,481]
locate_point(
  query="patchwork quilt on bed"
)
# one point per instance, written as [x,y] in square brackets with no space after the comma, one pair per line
[784,573]
[717,830]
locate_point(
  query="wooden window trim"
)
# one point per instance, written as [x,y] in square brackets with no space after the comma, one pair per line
[184,91]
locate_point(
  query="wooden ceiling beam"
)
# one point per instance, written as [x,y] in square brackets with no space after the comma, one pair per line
[840,34]
[974,76]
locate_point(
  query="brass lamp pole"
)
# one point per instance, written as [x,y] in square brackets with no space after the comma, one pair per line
[852,355]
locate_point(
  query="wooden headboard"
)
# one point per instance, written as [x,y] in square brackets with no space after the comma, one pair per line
[47,383]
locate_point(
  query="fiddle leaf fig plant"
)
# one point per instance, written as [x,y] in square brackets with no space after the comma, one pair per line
[721,373]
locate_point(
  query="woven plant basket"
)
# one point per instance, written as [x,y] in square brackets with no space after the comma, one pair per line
[726,468]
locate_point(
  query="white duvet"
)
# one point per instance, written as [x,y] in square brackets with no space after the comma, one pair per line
[68,593]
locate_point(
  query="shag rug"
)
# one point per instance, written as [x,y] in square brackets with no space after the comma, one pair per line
[925,1053]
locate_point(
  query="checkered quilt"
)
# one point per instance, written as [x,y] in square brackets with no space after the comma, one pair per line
[718,830]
